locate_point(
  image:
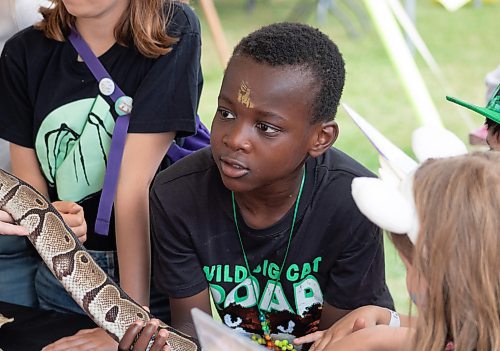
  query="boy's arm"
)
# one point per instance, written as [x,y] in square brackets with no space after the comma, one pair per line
[142,156]
[178,271]
[357,276]
[181,320]
[181,311]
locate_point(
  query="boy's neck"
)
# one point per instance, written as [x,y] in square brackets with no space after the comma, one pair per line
[262,209]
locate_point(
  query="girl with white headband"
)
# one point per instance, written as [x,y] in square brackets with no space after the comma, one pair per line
[444,221]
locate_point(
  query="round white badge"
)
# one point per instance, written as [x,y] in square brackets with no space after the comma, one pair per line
[106,86]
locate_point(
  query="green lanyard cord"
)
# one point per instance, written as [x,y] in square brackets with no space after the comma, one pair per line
[297,201]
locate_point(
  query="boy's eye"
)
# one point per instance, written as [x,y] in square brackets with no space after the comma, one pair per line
[225,114]
[267,129]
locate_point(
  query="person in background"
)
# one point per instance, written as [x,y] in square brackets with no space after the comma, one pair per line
[273,233]
[492,80]
[60,134]
[492,114]
[17,258]
[451,257]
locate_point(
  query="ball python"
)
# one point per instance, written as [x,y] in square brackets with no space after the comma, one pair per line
[98,295]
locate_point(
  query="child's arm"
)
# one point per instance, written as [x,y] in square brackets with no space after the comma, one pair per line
[141,158]
[360,318]
[26,167]
[181,311]
[378,338]
[141,335]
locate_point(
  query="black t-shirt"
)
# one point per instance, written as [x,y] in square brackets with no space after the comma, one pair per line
[336,254]
[51,103]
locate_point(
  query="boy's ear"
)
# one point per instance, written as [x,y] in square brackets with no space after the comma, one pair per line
[324,136]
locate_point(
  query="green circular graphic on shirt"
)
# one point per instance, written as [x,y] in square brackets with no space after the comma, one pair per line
[72,147]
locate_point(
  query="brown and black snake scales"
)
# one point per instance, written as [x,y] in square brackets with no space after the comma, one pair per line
[104,301]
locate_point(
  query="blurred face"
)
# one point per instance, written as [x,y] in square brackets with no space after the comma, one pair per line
[95,8]
[261,133]
[416,285]
[493,140]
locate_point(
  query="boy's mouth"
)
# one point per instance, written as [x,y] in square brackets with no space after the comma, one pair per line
[233,168]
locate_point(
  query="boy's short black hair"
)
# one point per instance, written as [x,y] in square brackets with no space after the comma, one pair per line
[298,44]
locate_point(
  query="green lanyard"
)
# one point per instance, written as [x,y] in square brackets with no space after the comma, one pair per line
[262,318]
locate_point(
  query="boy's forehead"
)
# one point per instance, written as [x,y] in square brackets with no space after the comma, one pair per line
[244,74]
[245,95]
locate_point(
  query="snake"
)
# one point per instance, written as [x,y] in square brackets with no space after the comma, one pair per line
[85,281]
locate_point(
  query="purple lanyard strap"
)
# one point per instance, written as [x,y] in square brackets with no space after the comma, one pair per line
[123,106]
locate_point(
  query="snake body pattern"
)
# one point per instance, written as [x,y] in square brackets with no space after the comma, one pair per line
[99,296]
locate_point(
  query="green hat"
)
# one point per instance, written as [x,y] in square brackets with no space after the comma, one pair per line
[492,109]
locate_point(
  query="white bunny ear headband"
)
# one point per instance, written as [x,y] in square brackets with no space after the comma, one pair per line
[388,201]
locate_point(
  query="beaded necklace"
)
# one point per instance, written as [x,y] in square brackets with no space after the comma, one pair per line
[278,345]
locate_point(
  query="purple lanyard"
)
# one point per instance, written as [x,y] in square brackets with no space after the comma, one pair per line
[123,106]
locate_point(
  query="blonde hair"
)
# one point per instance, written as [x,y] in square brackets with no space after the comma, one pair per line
[458,252]
[143,25]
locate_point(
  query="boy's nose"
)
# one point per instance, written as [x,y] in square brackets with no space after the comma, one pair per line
[238,137]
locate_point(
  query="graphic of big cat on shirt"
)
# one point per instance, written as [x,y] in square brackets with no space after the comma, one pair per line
[72,145]
[295,313]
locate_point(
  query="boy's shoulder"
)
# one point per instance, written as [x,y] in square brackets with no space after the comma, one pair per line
[333,174]
[191,168]
[335,160]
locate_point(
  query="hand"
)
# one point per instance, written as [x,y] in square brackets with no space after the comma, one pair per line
[377,338]
[85,340]
[74,218]
[8,228]
[362,317]
[148,331]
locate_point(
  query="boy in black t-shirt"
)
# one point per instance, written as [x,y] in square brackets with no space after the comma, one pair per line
[264,220]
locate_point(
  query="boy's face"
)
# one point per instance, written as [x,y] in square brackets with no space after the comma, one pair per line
[261,132]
